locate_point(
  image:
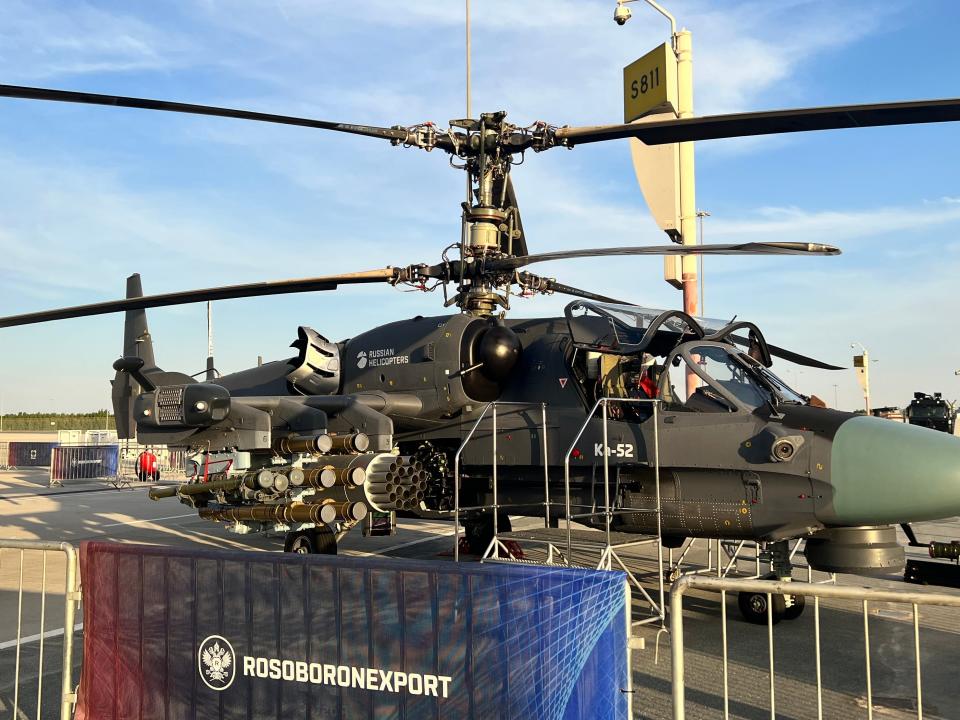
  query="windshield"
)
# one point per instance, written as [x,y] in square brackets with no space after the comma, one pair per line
[928,411]
[729,373]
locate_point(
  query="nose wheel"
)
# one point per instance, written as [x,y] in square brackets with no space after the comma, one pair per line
[479,531]
[757,607]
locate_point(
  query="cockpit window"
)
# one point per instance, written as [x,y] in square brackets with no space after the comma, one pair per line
[711,378]
[729,373]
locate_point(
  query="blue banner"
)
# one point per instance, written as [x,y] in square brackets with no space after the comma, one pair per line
[30,454]
[221,634]
[74,462]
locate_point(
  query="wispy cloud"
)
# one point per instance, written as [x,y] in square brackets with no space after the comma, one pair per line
[44,39]
[832,226]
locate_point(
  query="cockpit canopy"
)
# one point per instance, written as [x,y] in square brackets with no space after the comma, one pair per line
[630,330]
[728,379]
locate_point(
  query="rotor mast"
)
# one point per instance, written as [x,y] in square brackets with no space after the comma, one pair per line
[488,218]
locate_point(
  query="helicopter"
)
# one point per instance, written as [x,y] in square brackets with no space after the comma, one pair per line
[317,444]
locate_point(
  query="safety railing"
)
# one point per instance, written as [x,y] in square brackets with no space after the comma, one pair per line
[723,559]
[495,507]
[34,579]
[866,597]
[609,554]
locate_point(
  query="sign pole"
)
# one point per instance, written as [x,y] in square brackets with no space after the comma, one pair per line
[683,42]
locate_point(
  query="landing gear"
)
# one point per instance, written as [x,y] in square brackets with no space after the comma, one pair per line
[795,609]
[479,531]
[317,541]
[756,607]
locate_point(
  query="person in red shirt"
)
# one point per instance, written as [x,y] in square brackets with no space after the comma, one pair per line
[643,385]
[148,467]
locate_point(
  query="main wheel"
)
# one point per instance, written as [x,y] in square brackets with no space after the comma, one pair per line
[753,607]
[795,609]
[479,533]
[311,542]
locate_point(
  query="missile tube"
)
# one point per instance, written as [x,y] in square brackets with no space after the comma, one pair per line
[352,443]
[322,443]
[221,482]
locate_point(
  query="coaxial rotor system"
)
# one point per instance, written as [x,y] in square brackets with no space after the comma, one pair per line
[493,247]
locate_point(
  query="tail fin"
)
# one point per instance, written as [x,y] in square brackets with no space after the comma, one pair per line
[136,336]
[136,343]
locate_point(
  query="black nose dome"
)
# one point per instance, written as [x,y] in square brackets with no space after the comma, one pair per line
[498,350]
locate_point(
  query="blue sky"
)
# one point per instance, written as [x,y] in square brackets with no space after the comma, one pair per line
[89,195]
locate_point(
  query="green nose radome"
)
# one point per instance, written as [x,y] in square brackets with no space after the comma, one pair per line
[888,472]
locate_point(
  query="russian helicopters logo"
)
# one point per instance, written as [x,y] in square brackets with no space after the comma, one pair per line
[217,662]
[362,359]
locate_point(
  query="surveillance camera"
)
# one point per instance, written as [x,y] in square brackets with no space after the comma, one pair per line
[621,14]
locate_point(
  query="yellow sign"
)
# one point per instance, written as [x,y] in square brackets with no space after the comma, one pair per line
[650,84]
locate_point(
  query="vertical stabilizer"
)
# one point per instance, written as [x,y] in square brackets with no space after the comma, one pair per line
[136,336]
[136,343]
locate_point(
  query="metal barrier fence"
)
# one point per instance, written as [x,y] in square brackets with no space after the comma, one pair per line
[864,595]
[83,462]
[18,454]
[90,460]
[31,577]
[171,464]
[113,462]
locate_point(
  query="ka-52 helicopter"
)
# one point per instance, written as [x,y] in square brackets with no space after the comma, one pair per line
[373,423]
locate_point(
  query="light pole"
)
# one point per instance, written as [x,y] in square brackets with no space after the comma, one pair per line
[701,214]
[836,396]
[861,363]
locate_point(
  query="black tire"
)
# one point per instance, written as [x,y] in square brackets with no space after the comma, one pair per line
[479,532]
[753,607]
[311,542]
[795,610]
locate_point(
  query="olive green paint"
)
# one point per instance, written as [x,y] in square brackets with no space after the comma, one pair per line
[888,472]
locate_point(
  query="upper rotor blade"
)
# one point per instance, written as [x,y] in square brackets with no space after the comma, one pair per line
[279,287]
[758,248]
[712,127]
[31,93]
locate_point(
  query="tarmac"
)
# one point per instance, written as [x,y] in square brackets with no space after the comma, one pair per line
[87,510]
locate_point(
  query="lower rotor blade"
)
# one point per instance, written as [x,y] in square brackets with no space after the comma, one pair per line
[280,287]
[789,355]
[764,248]
[799,359]
[551,285]
[712,127]
[31,93]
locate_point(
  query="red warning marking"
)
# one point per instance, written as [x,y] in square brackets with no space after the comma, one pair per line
[563,383]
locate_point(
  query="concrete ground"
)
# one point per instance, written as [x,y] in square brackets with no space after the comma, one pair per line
[90,510]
